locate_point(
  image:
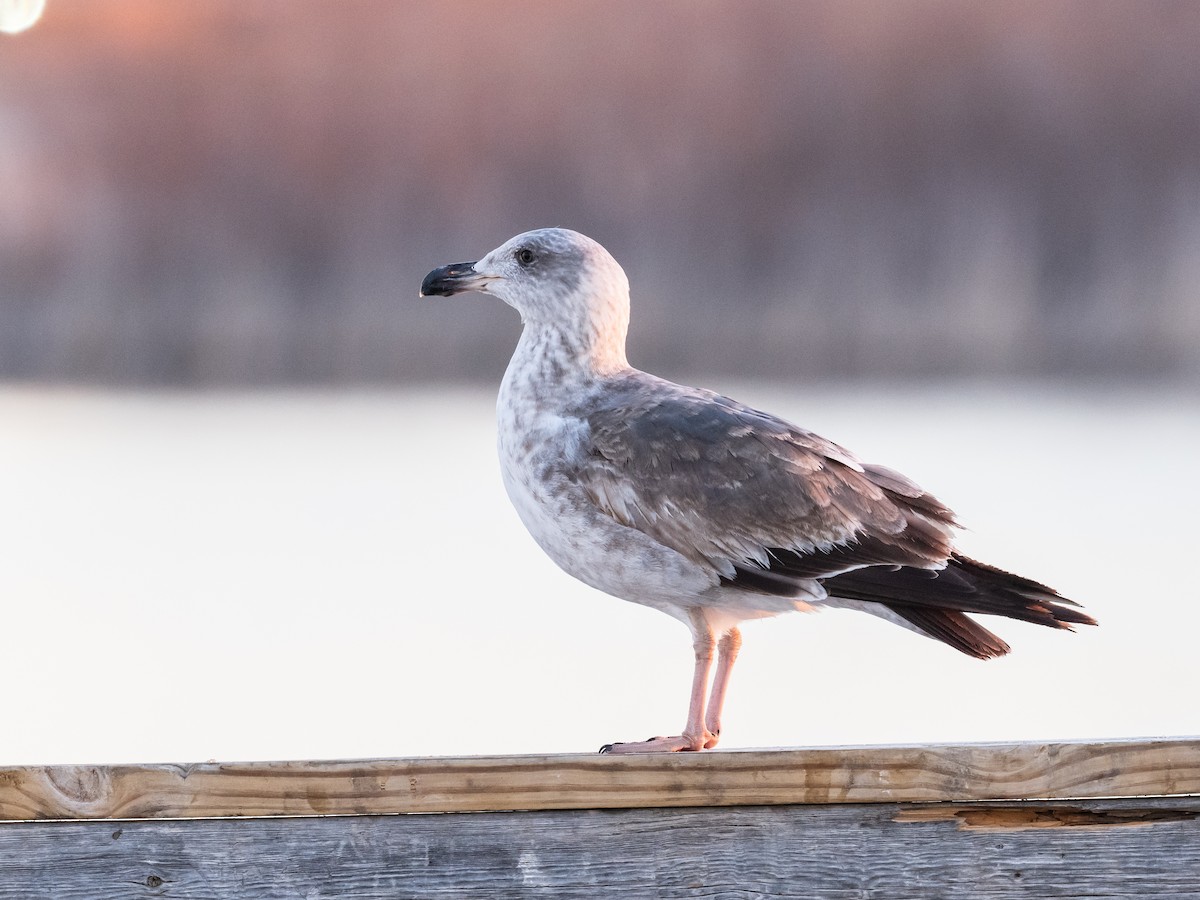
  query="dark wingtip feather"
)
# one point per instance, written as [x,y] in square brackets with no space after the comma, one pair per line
[1043,599]
[935,600]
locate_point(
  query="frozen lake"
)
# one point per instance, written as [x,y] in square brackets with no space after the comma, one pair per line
[317,574]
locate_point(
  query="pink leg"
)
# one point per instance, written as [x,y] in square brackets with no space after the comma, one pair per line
[695,736]
[727,651]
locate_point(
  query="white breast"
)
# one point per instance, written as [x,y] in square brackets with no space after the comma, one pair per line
[538,445]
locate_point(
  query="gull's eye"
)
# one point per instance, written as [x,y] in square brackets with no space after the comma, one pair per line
[525,257]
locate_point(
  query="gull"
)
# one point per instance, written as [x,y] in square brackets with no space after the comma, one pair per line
[691,503]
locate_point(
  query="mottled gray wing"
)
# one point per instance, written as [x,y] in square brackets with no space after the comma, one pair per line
[762,501]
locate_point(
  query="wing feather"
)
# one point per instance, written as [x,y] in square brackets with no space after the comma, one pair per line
[774,509]
[758,499]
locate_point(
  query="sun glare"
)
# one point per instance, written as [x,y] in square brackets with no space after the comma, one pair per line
[17,15]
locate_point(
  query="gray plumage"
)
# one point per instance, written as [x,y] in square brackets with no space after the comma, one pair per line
[723,483]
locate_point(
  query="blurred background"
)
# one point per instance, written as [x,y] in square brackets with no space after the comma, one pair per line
[222,192]
[238,452]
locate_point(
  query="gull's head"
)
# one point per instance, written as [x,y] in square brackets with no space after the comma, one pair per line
[553,277]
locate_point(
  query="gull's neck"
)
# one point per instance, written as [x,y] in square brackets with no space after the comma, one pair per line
[549,355]
[586,345]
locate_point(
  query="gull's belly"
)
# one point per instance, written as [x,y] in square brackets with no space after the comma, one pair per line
[590,545]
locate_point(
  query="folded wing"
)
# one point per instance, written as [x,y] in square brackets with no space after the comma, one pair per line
[772,508]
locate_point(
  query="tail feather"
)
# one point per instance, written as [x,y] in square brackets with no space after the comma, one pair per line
[957,629]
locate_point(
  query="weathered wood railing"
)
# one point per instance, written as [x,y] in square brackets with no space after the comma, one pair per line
[990,820]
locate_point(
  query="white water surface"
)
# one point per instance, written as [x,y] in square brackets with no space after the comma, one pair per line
[308,575]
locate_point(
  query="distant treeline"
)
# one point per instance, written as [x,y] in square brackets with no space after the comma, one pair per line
[232,192]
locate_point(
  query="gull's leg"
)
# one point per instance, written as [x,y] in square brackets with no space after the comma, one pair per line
[727,651]
[695,736]
[693,732]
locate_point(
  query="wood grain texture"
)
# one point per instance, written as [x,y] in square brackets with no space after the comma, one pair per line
[736,778]
[846,851]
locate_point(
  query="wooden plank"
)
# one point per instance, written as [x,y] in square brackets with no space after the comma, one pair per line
[1133,848]
[826,775]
